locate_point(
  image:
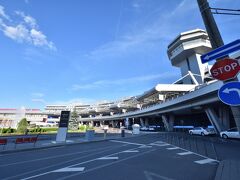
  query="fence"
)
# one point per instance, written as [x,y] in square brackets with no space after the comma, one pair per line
[192,143]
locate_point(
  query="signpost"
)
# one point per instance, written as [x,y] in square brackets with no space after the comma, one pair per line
[221,51]
[225,69]
[229,93]
[63,126]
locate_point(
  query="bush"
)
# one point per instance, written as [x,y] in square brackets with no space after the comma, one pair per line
[82,128]
[22,126]
[8,130]
[40,130]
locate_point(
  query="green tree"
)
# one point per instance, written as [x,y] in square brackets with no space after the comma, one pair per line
[22,126]
[73,122]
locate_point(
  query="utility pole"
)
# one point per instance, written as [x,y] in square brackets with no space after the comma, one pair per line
[210,24]
[216,41]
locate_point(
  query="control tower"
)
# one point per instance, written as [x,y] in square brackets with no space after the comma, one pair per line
[185,51]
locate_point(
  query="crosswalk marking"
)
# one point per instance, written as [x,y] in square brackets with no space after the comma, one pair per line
[145,146]
[185,153]
[130,151]
[205,161]
[108,158]
[172,148]
[161,145]
[67,169]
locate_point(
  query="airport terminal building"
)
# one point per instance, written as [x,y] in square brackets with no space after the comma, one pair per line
[190,100]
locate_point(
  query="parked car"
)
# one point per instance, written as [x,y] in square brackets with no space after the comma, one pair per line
[231,133]
[202,131]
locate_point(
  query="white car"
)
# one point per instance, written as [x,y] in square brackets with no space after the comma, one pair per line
[201,131]
[231,133]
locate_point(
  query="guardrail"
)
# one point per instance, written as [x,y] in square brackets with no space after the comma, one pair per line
[191,143]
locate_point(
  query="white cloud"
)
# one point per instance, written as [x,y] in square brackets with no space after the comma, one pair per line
[39,100]
[29,20]
[24,31]
[138,79]
[148,35]
[78,101]
[39,39]
[19,33]
[37,94]
[3,14]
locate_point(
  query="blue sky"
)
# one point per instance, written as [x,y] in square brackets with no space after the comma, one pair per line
[87,51]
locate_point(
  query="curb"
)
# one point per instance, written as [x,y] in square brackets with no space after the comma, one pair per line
[62,144]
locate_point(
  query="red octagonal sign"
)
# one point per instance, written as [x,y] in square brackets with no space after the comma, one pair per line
[225,69]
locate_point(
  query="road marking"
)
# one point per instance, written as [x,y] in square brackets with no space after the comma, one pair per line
[205,161]
[185,153]
[149,176]
[125,142]
[161,145]
[52,157]
[159,142]
[145,146]
[172,148]
[64,162]
[106,165]
[108,158]
[130,151]
[200,155]
[70,169]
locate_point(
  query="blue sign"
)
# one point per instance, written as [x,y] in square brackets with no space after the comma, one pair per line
[221,51]
[229,93]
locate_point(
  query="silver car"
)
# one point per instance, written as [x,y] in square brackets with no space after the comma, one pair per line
[231,133]
[202,131]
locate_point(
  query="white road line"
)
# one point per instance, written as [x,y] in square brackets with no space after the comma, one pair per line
[172,148]
[185,153]
[205,161]
[52,157]
[125,142]
[70,169]
[130,151]
[159,142]
[161,145]
[199,155]
[145,146]
[48,172]
[107,158]
[106,165]
[64,162]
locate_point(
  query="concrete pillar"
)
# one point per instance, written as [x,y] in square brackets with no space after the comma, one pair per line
[171,121]
[142,122]
[224,117]
[114,124]
[126,122]
[236,115]
[101,123]
[168,122]
[212,116]
[146,122]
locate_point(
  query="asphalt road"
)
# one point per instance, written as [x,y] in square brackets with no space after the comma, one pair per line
[144,157]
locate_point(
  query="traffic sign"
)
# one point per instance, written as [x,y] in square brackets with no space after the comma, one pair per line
[229,93]
[225,69]
[221,51]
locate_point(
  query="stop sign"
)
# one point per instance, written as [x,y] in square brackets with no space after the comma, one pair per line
[225,69]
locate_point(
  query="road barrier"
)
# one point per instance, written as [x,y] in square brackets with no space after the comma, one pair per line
[23,140]
[3,143]
[191,143]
